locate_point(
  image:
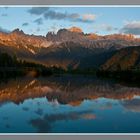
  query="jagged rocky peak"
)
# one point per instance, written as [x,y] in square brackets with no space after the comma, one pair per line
[50,34]
[76,29]
[17,31]
[62,34]
[62,31]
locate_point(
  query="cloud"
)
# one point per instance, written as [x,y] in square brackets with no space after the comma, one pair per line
[108,27]
[132,105]
[39,111]
[49,13]
[89,17]
[4,30]
[25,24]
[74,17]
[6,8]
[38,10]
[39,21]
[132,27]
[55,15]
[4,15]
[44,124]
[103,27]
[38,29]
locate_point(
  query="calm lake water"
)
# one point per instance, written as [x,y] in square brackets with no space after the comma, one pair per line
[68,104]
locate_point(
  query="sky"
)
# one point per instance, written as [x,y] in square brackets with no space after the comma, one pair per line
[100,20]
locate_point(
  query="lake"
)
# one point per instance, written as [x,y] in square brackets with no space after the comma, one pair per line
[68,104]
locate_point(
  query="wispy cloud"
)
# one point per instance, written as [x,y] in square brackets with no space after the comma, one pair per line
[74,17]
[38,10]
[38,29]
[44,124]
[39,21]
[25,24]
[49,13]
[108,27]
[132,105]
[4,15]
[89,17]
[102,27]
[132,27]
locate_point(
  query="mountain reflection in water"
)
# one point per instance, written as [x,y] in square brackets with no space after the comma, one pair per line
[65,89]
[68,104]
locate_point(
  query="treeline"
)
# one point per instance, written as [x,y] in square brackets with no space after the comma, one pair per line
[7,60]
[11,66]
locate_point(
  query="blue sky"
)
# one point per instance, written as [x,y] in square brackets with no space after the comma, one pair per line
[101,20]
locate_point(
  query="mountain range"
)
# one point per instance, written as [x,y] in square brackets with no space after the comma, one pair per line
[70,48]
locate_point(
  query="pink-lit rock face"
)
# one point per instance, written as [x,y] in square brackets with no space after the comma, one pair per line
[19,38]
[68,48]
[75,29]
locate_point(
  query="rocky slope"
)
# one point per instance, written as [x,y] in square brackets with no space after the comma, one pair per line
[124,59]
[68,48]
